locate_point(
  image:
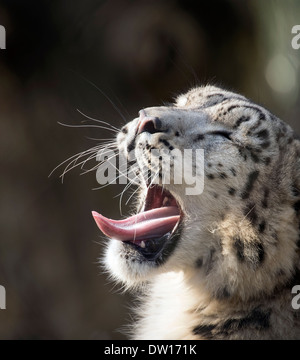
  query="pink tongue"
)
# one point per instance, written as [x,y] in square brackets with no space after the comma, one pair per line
[143,226]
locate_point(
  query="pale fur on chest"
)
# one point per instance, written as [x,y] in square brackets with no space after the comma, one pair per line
[173,308]
[168,312]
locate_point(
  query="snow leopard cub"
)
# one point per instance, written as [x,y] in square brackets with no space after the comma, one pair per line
[221,264]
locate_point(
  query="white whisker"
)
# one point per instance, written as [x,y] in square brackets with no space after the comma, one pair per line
[99,121]
[106,97]
[88,126]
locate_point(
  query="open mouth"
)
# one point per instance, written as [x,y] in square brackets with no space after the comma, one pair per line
[154,232]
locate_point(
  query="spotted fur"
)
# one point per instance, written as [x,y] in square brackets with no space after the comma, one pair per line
[230,275]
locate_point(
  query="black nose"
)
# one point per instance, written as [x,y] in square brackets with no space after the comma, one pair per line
[149,124]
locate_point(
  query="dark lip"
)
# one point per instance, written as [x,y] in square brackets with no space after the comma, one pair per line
[158,250]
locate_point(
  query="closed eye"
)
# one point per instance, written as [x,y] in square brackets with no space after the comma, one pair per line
[225,134]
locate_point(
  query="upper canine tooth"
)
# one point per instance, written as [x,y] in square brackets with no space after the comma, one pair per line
[142,244]
[166,199]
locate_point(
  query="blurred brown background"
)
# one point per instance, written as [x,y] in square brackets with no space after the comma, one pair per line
[138,54]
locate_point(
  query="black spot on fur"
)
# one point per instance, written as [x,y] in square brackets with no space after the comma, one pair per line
[131,146]
[243,154]
[254,127]
[260,252]
[204,331]
[200,137]
[222,293]
[210,260]
[267,160]
[219,164]
[257,150]
[296,206]
[232,107]
[279,135]
[177,133]
[263,134]
[261,116]
[295,190]
[254,157]
[254,254]
[233,171]
[241,120]
[280,272]
[296,136]
[212,103]
[165,142]
[249,184]
[148,176]
[250,213]
[171,148]
[264,202]
[199,263]
[223,217]
[265,144]
[224,134]
[262,226]
[239,247]
[275,237]
[124,130]
[231,191]
[222,175]
[212,95]
[210,176]
[257,319]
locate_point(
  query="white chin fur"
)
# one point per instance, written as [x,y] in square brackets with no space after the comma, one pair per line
[124,270]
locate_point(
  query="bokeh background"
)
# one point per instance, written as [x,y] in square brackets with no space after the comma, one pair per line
[108,59]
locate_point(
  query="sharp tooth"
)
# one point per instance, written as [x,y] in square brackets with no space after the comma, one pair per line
[166,199]
[142,244]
